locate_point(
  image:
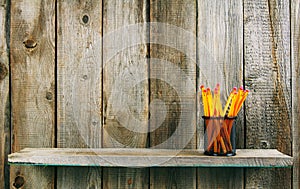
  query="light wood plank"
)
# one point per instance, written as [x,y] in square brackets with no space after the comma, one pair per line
[145,157]
[220,57]
[79,80]
[125,86]
[295,37]
[125,76]
[4,97]
[32,56]
[268,76]
[173,86]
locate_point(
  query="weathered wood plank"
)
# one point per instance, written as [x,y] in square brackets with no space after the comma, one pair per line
[79,83]
[145,157]
[220,177]
[173,86]
[125,86]
[127,178]
[295,44]
[267,75]
[32,56]
[220,58]
[79,177]
[4,96]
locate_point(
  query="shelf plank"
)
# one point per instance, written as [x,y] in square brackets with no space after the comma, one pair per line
[145,157]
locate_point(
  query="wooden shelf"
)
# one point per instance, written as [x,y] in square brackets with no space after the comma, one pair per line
[143,157]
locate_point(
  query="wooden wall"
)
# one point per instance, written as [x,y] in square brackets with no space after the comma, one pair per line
[98,74]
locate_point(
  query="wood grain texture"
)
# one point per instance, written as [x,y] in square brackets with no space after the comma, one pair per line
[125,178]
[32,56]
[268,76]
[172,86]
[145,157]
[125,76]
[79,83]
[79,177]
[220,177]
[4,97]
[125,86]
[220,59]
[295,36]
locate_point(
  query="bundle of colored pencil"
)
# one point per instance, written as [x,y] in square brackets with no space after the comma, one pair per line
[218,120]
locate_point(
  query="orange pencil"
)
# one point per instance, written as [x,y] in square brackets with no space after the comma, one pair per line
[241,101]
[238,99]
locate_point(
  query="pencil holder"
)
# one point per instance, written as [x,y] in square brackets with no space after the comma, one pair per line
[219,136]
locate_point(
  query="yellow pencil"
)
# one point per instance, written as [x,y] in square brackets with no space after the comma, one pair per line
[209,102]
[228,101]
[231,109]
[204,100]
[217,103]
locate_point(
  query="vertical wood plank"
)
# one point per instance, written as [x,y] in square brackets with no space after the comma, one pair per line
[4,96]
[220,178]
[220,57]
[125,86]
[173,86]
[295,42]
[79,30]
[32,46]
[268,76]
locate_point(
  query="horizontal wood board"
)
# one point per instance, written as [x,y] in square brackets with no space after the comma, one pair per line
[144,157]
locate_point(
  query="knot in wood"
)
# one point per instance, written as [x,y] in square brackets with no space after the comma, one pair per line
[264,144]
[85,19]
[49,96]
[30,43]
[3,71]
[129,181]
[19,182]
